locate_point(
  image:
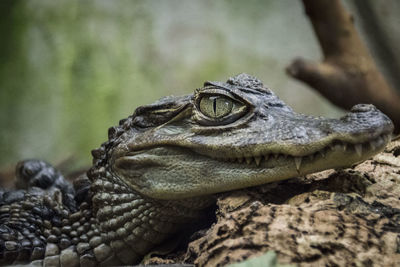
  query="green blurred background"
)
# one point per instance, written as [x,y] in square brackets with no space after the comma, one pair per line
[70,69]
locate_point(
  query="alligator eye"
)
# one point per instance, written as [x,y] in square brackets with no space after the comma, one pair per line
[215,106]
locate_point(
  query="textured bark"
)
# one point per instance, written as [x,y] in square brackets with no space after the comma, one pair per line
[332,218]
[348,75]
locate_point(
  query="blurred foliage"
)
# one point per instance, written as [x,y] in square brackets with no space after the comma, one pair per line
[71,69]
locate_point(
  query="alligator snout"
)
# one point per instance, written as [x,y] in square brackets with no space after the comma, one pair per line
[364,120]
[363,108]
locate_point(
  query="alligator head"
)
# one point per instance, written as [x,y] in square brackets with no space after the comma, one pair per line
[233,135]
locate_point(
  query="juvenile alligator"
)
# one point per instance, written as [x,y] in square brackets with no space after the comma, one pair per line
[162,166]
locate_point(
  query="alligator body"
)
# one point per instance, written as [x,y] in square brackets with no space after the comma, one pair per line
[162,166]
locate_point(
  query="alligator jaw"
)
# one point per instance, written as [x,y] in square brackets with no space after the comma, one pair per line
[340,149]
[170,172]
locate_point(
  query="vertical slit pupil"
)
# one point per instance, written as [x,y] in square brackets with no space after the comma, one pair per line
[215,105]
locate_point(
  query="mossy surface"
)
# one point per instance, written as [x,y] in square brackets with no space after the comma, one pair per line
[71,69]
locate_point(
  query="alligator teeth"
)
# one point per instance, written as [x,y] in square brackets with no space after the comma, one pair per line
[358,149]
[372,145]
[337,145]
[344,147]
[249,160]
[340,147]
[297,161]
[379,141]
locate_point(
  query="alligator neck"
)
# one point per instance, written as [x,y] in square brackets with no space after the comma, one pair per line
[124,225]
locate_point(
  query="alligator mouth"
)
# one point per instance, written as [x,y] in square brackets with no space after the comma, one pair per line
[176,172]
[338,152]
[359,150]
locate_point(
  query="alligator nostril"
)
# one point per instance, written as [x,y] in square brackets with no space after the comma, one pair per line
[362,108]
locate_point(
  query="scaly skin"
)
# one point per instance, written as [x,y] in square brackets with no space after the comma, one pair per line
[162,166]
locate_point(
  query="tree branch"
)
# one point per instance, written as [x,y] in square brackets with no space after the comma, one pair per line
[348,74]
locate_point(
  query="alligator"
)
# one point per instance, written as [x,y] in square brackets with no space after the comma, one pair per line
[164,165]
